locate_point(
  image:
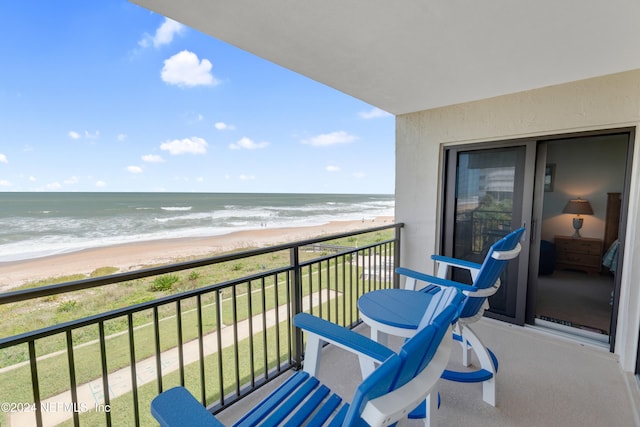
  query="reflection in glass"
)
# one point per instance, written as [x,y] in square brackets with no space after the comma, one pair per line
[485,184]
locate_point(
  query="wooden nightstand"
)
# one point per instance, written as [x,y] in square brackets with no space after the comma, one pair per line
[579,254]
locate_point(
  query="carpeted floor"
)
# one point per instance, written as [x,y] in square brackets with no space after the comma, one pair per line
[576,299]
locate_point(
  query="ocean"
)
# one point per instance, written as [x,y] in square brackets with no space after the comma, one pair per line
[34,225]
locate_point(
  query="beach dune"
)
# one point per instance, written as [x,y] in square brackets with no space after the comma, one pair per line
[131,256]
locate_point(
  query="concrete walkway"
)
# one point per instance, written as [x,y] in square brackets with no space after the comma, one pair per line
[59,408]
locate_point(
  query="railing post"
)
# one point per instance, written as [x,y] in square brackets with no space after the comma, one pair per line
[296,299]
[396,257]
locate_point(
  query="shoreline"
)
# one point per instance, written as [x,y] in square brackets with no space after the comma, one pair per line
[137,255]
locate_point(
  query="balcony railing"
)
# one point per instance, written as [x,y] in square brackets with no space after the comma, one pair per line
[221,340]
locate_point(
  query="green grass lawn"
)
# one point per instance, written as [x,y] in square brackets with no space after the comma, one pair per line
[262,296]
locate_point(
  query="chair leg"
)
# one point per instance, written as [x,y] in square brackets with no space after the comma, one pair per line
[466,347]
[312,354]
[486,363]
[378,336]
[432,407]
[367,366]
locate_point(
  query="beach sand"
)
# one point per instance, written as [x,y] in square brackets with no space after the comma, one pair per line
[131,256]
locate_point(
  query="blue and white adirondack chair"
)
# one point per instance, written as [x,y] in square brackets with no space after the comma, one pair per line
[398,311]
[400,383]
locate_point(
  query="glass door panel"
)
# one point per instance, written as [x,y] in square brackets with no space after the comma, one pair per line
[484,202]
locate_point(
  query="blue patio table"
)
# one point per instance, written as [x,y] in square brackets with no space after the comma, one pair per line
[394,311]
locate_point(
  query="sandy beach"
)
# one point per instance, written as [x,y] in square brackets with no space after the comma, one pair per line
[133,256]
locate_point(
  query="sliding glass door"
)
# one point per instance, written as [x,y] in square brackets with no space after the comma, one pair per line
[488,193]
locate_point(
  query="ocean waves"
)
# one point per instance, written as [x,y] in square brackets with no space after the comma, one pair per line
[41,224]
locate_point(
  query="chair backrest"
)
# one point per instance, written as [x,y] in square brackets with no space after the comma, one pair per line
[499,255]
[437,304]
[407,367]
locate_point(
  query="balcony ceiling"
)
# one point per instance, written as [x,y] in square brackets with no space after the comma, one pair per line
[412,55]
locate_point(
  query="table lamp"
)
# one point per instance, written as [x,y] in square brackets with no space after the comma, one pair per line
[578,207]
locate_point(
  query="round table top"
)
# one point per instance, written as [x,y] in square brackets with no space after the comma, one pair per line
[395,307]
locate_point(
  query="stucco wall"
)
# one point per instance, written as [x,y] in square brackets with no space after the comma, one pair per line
[600,103]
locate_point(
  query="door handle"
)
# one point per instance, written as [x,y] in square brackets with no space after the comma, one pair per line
[532,231]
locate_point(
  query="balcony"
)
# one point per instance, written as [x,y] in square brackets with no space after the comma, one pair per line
[230,342]
[544,380]
[221,326]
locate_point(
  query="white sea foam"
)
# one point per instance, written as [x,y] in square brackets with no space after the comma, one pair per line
[176,208]
[70,222]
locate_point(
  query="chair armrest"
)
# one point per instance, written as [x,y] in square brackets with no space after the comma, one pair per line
[342,337]
[466,289]
[319,331]
[444,262]
[177,407]
[455,262]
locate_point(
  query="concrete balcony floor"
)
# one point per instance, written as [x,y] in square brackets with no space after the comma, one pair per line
[543,380]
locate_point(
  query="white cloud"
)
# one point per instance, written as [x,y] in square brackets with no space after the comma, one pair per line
[145,41]
[186,69]
[121,137]
[53,186]
[5,183]
[134,169]
[193,145]
[3,158]
[71,181]
[90,135]
[332,168]
[224,126]
[374,113]
[166,31]
[101,184]
[359,174]
[152,158]
[200,179]
[248,144]
[244,177]
[32,178]
[164,34]
[333,138]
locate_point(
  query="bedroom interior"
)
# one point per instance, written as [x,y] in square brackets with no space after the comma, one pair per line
[578,253]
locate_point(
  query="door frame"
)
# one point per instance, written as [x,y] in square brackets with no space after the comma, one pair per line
[448,208]
[534,187]
[537,213]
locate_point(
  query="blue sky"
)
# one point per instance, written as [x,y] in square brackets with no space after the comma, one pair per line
[108,96]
